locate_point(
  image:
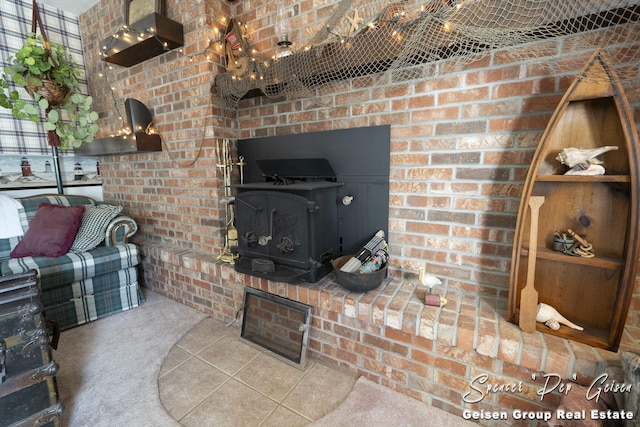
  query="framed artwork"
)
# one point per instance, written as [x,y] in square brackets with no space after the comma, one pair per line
[135,10]
[28,172]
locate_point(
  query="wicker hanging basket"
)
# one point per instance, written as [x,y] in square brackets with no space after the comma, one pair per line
[50,90]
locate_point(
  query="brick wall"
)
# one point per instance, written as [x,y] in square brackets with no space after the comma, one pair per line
[461,146]
[172,194]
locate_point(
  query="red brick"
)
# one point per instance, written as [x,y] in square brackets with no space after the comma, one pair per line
[356,348]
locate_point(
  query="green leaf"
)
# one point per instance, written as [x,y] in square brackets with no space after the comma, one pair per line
[4,101]
[24,52]
[53,116]
[45,66]
[18,114]
[43,104]
[15,69]
[93,116]
[48,126]
[30,109]
[19,80]
[80,133]
[34,81]
[29,61]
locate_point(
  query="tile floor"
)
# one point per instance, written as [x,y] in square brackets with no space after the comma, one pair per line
[211,378]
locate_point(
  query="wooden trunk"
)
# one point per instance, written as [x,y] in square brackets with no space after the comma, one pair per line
[28,390]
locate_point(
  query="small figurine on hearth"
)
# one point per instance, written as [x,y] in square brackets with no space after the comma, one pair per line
[430,281]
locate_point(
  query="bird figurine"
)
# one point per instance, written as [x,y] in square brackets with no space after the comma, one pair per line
[551,318]
[430,281]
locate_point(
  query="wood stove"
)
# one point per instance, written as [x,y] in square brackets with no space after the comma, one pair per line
[287,225]
[308,199]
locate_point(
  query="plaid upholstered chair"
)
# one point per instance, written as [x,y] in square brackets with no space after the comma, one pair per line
[80,248]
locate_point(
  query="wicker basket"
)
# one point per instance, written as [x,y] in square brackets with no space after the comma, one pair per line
[53,92]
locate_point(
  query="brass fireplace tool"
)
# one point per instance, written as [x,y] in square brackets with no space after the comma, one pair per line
[226,164]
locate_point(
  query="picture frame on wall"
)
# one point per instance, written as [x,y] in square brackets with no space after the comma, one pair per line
[27,172]
[135,10]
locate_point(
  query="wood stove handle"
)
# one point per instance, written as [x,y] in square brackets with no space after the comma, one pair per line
[257,209]
[264,240]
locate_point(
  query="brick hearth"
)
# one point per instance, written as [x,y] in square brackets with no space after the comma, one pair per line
[390,336]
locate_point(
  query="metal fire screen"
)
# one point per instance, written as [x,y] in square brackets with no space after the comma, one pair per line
[276,324]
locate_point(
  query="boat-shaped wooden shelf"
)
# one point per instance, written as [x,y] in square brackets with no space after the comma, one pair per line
[594,292]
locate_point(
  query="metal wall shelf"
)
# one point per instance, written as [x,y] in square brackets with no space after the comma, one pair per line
[149,37]
[140,143]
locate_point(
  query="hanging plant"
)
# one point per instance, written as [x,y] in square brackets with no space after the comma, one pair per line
[49,73]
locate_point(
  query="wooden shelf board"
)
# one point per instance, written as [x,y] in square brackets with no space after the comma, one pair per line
[590,336]
[596,262]
[579,178]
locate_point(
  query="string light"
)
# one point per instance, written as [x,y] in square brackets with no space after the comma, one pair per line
[257,64]
[397,23]
[211,44]
[400,23]
[215,45]
[142,34]
[125,33]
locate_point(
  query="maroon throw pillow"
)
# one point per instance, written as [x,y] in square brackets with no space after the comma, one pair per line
[51,231]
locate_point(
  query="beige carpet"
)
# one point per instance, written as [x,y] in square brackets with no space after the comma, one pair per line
[109,371]
[373,405]
[109,368]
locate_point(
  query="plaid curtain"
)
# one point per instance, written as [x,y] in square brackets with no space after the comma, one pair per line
[24,136]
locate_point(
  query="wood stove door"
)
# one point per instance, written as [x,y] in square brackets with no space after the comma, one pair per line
[274,225]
